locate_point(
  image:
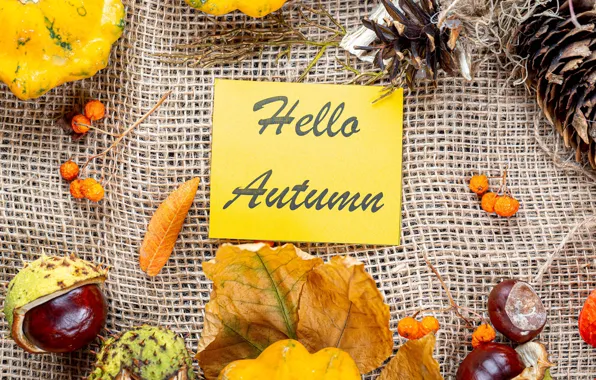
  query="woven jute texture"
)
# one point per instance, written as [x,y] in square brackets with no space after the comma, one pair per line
[450,133]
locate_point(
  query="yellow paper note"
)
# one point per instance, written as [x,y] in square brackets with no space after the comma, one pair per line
[306,162]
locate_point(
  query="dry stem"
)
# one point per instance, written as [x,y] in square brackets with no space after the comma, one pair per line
[454,306]
[130,129]
[241,43]
[588,222]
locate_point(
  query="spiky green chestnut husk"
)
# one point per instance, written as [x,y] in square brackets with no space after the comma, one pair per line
[144,353]
[42,280]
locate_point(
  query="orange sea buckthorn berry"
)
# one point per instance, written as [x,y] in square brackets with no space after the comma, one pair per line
[429,324]
[483,334]
[488,202]
[95,110]
[506,206]
[80,124]
[409,328]
[94,193]
[69,170]
[76,189]
[479,184]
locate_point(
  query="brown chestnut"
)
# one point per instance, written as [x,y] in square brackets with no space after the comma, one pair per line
[55,304]
[516,311]
[491,361]
[68,322]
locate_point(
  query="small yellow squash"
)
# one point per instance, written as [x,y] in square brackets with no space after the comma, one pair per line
[253,8]
[45,43]
[289,360]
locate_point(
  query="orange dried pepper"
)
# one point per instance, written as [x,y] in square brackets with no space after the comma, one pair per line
[95,110]
[483,334]
[76,189]
[587,320]
[80,124]
[479,184]
[69,170]
[506,206]
[410,328]
[488,202]
[429,324]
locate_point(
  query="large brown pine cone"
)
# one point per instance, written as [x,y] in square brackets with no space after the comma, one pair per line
[561,63]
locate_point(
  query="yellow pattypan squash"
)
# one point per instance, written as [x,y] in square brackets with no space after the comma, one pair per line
[45,43]
[289,360]
[253,8]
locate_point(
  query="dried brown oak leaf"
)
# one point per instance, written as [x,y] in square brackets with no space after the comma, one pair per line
[342,307]
[254,302]
[165,226]
[414,361]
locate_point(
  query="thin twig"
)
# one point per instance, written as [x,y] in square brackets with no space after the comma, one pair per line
[591,221]
[573,16]
[130,129]
[454,306]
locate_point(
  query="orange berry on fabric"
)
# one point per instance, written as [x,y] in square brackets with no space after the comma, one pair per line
[488,202]
[88,182]
[94,193]
[479,184]
[76,189]
[80,124]
[95,110]
[429,324]
[69,170]
[409,328]
[483,334]
[587,320]
[506,206]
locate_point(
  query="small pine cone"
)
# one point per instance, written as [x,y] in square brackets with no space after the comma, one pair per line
[561,63]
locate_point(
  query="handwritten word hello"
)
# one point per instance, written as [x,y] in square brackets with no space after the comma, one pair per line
[307,123]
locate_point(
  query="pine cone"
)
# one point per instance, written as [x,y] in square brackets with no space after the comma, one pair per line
[415,43]
[560,46]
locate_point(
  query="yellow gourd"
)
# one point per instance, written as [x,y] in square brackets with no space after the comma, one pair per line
[45,43]
[253,8]
[289,360]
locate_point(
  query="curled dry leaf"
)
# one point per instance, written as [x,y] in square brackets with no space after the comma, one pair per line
[254,302]
[165,227]
[414,361]
[342,307]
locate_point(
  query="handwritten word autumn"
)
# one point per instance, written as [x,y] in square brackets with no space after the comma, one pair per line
[299,196]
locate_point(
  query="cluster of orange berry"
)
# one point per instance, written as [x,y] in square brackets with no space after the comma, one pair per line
[87,188]
[501,202]
[410,328]
[94,110]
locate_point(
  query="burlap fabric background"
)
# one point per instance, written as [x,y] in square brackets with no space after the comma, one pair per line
[449,134]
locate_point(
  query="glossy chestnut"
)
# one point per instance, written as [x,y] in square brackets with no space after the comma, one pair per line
[491,361]
[68,322]
[516,311]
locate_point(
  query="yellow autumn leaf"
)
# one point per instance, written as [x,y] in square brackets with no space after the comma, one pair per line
[254,302]
[341,307]
[165,226]
[414,361]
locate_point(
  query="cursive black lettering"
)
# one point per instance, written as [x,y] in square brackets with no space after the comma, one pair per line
[296,199]
[276,119]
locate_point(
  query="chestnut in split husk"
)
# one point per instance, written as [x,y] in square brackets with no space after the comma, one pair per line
[144,353]
[491,361]
[55,304]
[516,311]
